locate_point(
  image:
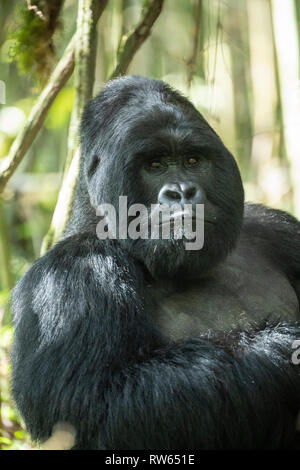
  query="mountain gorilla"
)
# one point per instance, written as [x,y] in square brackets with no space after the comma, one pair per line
[141,343]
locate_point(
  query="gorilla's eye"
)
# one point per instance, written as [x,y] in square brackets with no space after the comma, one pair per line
[155,164]
[192,161]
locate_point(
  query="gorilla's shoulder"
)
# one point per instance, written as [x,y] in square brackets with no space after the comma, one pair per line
[79,247]
[275,233]
[267,217]
[75,262]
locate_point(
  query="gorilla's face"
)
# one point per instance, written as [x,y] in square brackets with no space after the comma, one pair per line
[162,151]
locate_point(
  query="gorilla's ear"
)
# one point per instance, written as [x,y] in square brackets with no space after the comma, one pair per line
[93,166]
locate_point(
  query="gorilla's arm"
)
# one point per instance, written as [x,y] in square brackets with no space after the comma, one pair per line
[86,353]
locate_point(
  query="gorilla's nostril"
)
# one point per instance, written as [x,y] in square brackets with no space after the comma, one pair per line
[170,195]
[173,195]
[181,193]
[189,193]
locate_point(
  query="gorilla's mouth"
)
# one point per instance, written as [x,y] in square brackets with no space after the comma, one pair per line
[178,223]
[160,216]
[182,220]
[192,219]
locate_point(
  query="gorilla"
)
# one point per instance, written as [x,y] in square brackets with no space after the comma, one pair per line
[140,343]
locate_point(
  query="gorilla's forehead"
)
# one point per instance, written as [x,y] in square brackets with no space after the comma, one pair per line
[166,129]
[158,114]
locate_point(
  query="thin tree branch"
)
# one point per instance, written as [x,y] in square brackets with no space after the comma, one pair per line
[6,275]
[89,12]
[58,79]
[131,43]
[192,60]
[38,12]
[63,205]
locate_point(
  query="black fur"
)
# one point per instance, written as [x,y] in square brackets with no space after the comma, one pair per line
[88,348]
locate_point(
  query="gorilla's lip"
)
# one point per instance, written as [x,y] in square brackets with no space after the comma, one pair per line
[170,218]
[176,215]
[193,219]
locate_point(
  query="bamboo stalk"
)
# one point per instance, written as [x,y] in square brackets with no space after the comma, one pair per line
[131,43]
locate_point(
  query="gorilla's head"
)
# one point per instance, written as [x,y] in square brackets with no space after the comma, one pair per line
[143,140]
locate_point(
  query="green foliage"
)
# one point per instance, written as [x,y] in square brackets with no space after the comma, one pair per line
[33,45]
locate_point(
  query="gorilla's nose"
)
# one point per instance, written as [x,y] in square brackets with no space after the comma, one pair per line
[181,193]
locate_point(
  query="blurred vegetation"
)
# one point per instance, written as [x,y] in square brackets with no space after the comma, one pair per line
[32,36]
[238,61]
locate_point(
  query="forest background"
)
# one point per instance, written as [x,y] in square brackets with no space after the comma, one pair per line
[238,61]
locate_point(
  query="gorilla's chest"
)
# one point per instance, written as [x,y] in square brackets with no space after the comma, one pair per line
[242,290]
